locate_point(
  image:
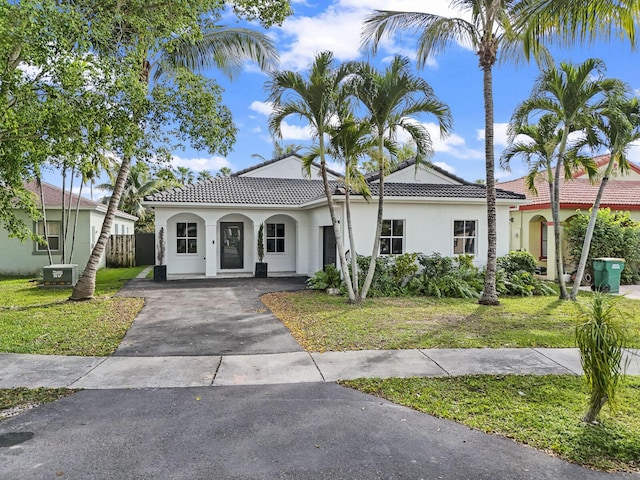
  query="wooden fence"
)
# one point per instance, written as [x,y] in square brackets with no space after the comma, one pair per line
[121,251]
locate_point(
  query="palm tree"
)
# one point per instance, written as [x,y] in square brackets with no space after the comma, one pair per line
[185,175]
[204,175]
[391,99]
[314,99]
[222,47]
[574,95]
[491,28]
[223,172]
[617,128]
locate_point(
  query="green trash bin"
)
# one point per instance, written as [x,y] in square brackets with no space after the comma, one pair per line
[607,274]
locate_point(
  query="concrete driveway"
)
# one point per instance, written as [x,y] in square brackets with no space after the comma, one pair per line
[207,317]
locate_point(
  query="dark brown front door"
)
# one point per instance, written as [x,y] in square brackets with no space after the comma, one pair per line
[328,246]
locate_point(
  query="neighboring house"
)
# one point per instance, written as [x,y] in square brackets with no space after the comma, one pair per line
[532,227]
[26,258]
[211,228]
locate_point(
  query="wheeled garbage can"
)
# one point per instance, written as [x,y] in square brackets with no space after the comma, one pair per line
[606,276]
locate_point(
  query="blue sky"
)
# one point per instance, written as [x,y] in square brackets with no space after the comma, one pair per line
[455,76]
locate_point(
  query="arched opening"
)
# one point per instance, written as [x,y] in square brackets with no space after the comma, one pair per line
[235,243]
[540,241]
[280,243]
[185,244]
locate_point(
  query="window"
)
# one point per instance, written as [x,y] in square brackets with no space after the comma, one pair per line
[275,237]
[187,237]
[543,240]
[464,237]
[392,237]
[53,236]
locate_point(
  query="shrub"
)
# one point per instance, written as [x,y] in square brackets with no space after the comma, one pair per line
[516,276]
[517,261]
[383,283]
[328,278]
[615,235]
[601,341]
[446,277]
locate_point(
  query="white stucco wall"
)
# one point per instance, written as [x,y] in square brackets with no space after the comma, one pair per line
[21,258]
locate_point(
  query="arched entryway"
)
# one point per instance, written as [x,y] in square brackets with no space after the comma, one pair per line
[235,243]
[185,244]
[539,240]
[280,243]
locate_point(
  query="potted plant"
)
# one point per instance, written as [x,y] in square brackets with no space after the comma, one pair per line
[160,270]
[261,267]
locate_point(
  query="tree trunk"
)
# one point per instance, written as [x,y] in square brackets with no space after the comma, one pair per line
[63,240]
[586,244]
[376,239]
[344,266]
[75,224]
[44,218]
[85,288]
[489,294]
[352,242]
[555,213]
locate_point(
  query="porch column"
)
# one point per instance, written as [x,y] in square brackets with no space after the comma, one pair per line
[303,250]
[211,242]
[551,251]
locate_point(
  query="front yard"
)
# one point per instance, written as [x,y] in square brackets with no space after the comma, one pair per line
[42,321]
[321,322]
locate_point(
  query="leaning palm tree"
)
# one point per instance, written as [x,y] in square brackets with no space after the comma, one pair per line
[391,99]
[490,29]
[224,48]
[574,95]
[315,99]
[618,127]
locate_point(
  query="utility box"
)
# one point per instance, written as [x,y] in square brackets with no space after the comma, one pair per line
[607,273]
[62,274]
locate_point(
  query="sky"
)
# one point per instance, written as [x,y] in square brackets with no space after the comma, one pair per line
[454,75]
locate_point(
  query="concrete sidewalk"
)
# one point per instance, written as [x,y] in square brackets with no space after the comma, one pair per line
[294,367]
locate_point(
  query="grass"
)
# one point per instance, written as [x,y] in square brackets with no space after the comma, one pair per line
[16,400]
[320,322]
[43,321]
[542,411]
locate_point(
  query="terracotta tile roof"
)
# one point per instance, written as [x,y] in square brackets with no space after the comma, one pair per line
[581,193]
[287,191]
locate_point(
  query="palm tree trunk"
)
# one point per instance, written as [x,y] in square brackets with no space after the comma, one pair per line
[336,226]
[489,293]
[75,224]
[555,213]
[63,240]
[85,288]
[376,238]
[586,244]
[352,242]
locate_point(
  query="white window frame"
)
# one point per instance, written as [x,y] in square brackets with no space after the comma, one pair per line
[276,239]
[39,227]
[392,237]
[186,238]
[464,237]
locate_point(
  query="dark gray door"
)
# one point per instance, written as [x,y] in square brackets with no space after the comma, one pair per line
[231,245]
[145,248]
[328,246]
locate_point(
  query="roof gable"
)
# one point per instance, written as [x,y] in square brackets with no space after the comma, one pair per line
[287,166]
[406,172]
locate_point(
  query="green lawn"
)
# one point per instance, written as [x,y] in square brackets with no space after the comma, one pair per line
[321,322]
[41,320]
[544,412]
[16,400]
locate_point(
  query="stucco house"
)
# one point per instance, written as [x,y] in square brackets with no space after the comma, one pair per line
[532,228]
[27,258]
[211,227]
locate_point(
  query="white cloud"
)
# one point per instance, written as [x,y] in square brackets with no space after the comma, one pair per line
[263,108]
[197,164]
[338,29]
[634,153]
[295,132]
[453,145]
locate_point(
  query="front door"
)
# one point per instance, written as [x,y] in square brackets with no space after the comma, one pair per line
[328,246]
[232,245]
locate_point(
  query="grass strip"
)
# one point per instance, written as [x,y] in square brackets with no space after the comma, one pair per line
[16,400]
[542,411]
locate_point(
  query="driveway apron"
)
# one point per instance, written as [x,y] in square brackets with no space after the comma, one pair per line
[207,317]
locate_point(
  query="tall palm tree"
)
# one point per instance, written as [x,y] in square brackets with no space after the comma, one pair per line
[185,175]
[574,95]
[222,47]
[314,99]
[490,29]
[617,128]
[391,98]
[204,175]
